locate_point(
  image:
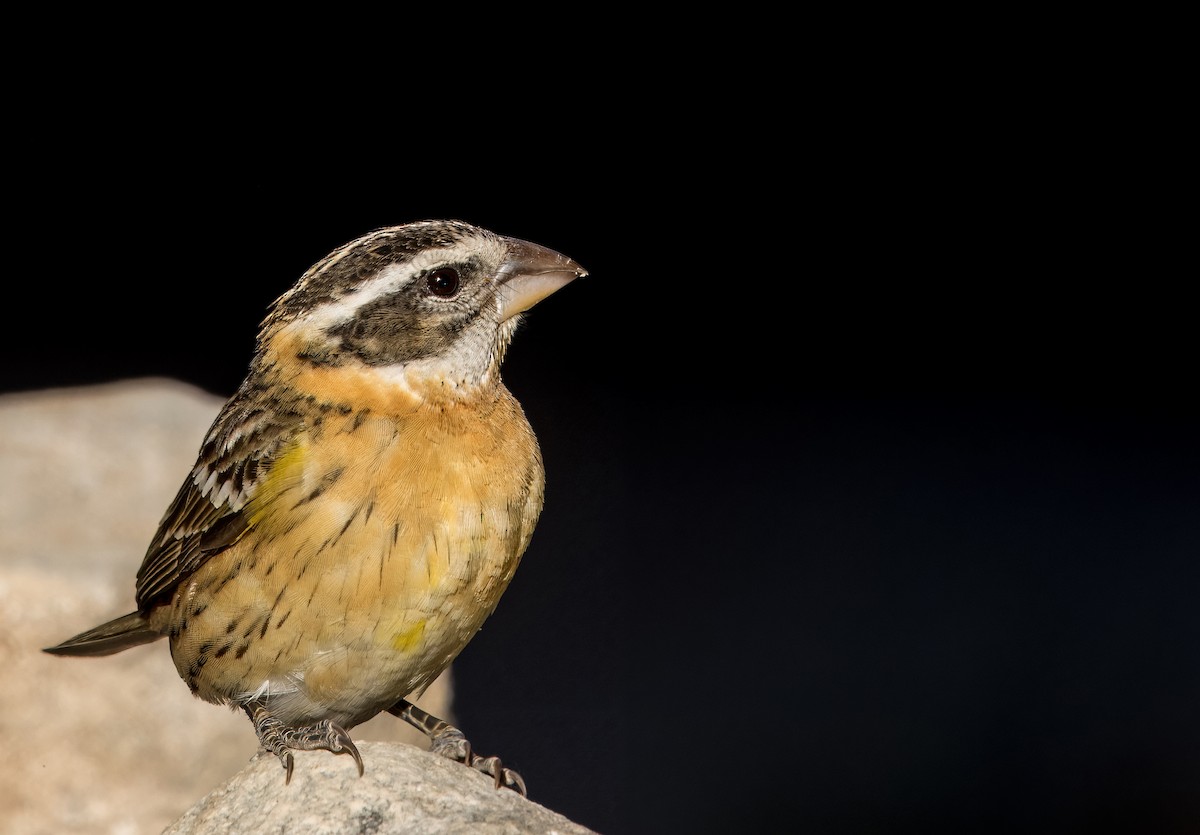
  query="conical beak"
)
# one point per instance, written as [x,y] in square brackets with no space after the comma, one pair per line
[530,273]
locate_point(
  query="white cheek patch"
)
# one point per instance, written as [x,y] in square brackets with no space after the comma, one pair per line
[463,362]
[455,372]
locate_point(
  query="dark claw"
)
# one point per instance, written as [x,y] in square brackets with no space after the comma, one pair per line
[515,782]
[505,777]
[288,763]
[340,743]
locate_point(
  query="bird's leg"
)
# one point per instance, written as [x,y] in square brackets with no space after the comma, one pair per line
[281,739]
[447,740]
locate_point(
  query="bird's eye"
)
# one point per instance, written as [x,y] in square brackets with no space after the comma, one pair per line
[443,282]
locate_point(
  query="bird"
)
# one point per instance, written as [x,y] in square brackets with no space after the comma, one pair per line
[361,502]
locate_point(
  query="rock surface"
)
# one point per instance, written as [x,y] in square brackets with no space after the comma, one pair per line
[403,789]
[117,744]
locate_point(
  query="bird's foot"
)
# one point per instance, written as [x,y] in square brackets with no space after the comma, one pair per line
[281,739]
[448,741]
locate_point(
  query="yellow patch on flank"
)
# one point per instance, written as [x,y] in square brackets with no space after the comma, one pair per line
[406,639]
[285,473]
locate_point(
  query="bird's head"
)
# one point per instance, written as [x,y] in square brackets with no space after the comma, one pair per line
[433,303]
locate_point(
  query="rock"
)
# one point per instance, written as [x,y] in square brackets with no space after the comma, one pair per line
[116,744]
[403,789]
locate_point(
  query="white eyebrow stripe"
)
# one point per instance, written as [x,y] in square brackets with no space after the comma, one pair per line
[388,280]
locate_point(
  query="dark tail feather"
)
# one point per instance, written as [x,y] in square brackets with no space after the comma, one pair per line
[122,633]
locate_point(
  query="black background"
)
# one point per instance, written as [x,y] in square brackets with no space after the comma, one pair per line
[873,483]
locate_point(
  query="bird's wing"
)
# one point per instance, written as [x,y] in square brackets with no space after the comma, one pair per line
[210,511]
